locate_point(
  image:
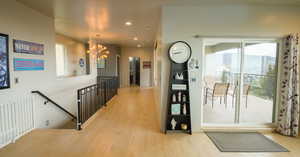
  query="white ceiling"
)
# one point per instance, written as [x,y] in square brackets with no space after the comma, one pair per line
[82,19]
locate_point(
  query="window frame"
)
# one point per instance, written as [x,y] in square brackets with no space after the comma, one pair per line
[65,60]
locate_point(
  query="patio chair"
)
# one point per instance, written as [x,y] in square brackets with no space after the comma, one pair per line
[210,81]
[246,89]
[219,90]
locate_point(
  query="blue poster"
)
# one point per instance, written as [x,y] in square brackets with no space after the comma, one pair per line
[28,47]
[21,64]
[4,66]
[81,62]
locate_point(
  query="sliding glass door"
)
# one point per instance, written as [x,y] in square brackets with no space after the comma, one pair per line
[239,82]
[222,68]
[259,80]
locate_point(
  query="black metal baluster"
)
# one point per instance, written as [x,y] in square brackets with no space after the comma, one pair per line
[79,121]
[94,97]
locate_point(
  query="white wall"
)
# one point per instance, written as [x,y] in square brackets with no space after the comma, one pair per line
[111,61]
[184,22]
[145,54]
[157,77]
[21,22]
[76,50]
[229,20]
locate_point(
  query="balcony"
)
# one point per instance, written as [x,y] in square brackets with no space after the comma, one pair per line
[256,104]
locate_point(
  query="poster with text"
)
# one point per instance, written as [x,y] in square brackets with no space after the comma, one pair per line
[22,64]
[26,47]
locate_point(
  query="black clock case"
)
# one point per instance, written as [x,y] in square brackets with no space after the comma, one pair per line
[181,118]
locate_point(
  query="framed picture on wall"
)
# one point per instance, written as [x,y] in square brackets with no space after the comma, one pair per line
[4,62]
[147,65]
[101,63]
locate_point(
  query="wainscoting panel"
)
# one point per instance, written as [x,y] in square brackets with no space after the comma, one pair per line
[16,119]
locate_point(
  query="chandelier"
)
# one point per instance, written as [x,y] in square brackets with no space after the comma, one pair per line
[96,49]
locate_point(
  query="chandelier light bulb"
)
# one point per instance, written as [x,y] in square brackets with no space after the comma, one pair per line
[128,23]
[98,50]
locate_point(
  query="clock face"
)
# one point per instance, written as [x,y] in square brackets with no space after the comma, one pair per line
[180,52]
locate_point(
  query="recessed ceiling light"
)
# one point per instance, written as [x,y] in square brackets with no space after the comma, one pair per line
[135,38]
[128,23]
[139,45]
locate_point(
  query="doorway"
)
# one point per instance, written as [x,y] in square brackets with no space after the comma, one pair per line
[134,71]
[240,79]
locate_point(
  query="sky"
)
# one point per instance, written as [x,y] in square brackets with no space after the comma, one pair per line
[264,49]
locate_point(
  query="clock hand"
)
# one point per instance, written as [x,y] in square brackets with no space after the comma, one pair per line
[177,52]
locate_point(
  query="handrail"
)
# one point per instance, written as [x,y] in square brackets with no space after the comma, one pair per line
[54,103]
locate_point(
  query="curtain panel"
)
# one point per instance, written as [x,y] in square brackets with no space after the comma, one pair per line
[288,115]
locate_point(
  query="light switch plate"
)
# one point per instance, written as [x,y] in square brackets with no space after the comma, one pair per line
[16,80]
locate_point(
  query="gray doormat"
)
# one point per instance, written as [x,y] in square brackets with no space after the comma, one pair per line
[244,142]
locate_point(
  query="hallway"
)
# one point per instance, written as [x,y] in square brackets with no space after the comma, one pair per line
[127,128]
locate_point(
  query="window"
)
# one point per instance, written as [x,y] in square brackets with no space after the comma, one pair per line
[61,60]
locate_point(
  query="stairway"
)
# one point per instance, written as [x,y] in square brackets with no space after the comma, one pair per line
[71,124]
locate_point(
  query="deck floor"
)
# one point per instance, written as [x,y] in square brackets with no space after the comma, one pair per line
[258,111]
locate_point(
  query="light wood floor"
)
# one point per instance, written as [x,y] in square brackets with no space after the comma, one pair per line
[128,128]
